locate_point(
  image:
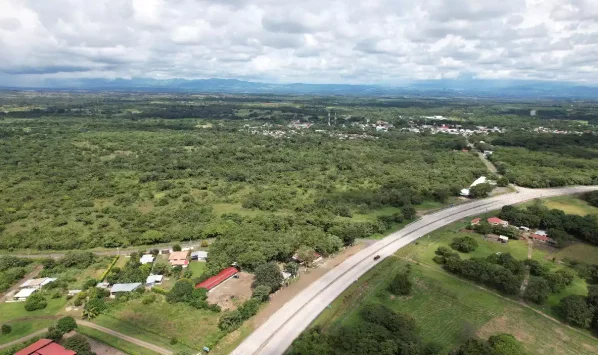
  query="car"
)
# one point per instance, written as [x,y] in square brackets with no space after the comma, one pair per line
[376,257]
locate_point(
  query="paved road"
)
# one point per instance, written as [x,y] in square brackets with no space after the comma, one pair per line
[275,335]
[135,341]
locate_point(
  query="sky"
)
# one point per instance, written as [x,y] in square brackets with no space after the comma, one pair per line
[310,41]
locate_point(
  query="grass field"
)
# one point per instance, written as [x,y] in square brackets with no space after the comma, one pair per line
[197,267]
[579,252]
[449,310]
[570,205]
[114,342]
[192,327]
[23,322]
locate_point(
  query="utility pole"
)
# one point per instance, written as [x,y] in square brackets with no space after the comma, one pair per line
[335,118]
[328,118]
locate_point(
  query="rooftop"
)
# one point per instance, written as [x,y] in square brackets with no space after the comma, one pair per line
[200,253]
[125,287]
[153,279]
[38,282]
[24,293]
[218,279]
[178,255]
[45,347]
[146,259]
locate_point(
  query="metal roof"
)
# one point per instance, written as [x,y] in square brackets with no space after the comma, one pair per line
[218,279]
[200,253]
[153,278]
[125,287]
[24,293]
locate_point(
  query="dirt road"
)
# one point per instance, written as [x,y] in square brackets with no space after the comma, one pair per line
[135,341]
[23,339]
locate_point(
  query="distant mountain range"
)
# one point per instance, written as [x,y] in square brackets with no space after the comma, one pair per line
[443,87]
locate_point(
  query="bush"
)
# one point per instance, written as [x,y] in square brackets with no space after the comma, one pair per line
[149,298]
[53,334]
[230,321]
[464,244]
[79,344]
[66,324]
[261,293]
[6,329]
[180,292]
[35,301]
[401,284]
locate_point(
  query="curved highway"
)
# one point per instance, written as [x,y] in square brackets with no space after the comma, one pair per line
[278,332]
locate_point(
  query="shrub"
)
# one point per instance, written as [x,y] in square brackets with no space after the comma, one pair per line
[79,344]
[35,301]
[149,298]
[230,321]
[66,324]
[401,284]
[53,334]
[464,244]
[261,293]
[6,329]
[180,292]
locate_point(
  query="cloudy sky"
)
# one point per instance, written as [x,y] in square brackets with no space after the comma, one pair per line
[316,41]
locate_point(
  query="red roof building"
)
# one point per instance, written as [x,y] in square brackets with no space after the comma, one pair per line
[541,238]
[496,220]
[45,347]
[476,221]
[218,279]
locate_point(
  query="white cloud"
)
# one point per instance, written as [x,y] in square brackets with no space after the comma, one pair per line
[348,41]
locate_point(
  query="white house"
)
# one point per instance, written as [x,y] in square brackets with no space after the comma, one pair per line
[199,255]
[37,283]
[124,288]
[503,239]
[153,280]
[147,259]
[23,294]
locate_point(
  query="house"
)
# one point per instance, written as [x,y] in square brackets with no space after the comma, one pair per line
[37,283]
[146,259]
[153,280]
[124,288]
[495,221]
[524,228]
[286,275]
[541,232]
[23,294]
[45,347]
[199,255]
[218,279]
[103,285]
[488,153]
[178,258]
[503,239]
[541,238]
[475,222]
[317,257]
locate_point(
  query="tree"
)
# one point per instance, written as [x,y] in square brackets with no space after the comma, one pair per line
[35,301]
[66,324]
[176,247]
[306,255]
[537,290]
[576,311]
[480,190]
[94,307]
[53,334]
[6,329]
[464,244]
[401,284]
[505,344]
[502,182]
[249,308]
[292,268]
[473,347]
[79,344]
[261,293]
[180,292]
[230,321]
[409,212]
[269,275]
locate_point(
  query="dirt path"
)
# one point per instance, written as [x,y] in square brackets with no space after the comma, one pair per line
[15,287]
[530,246]
[23,339]
[135,341]
[521,303]
[488,163]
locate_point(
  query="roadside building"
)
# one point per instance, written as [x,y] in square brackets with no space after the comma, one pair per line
[218,279]
[317,257]
[124,288]
[524,228]
[541,238]
[37,283]
[199,255]
[178,258]
[45,347]
[23,294]
[153,280]
[541,232]
[146,259]
[495,221]
[286,276]
[475,222]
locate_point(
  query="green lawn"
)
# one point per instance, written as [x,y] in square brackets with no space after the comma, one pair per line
[197,267]
[114,342]
[23,322]
[192,327]
[579,252]
[449,310]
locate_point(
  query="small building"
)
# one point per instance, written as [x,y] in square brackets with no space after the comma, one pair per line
[218,279]
[103,285]
[73,292]
[178,258]
[153,280]
[199,255]
[45,347]
[488,153]
[503,239]
[524,228]
[317,257]
[541,238]
[37,283]
[146,259]
[23,294]
[495,221]
[541,232]
[475,222]
[124,288]
[286,275]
